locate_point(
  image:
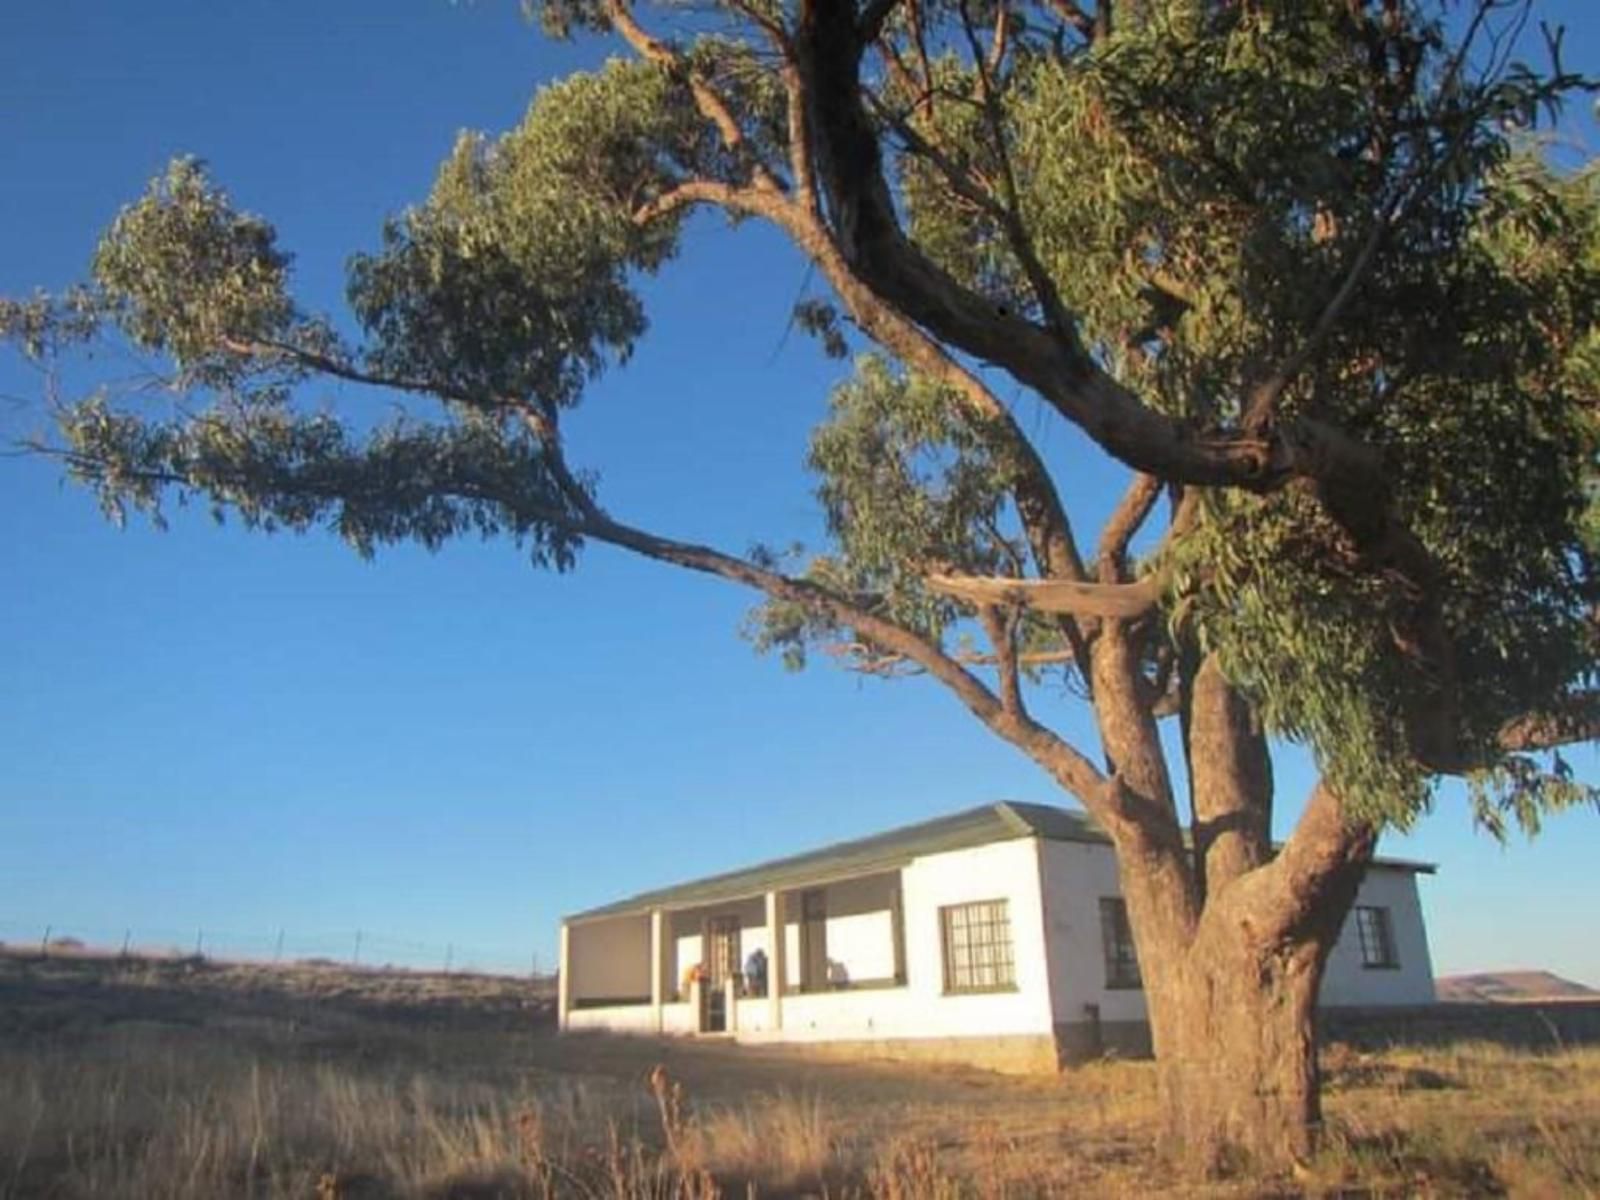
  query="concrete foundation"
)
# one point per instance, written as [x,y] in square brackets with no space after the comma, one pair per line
[1010,1054]
[1084,1041]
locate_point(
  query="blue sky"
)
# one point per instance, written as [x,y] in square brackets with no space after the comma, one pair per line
[204,729]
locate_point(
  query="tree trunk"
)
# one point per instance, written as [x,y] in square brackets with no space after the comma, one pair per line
[1237,1063]
[1233,1014]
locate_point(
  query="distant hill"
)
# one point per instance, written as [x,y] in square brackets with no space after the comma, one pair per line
[1511,987]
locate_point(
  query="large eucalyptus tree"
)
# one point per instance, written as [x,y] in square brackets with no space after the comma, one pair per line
[1297,264]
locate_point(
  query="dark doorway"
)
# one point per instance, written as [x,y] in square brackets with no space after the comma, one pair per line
[722,964]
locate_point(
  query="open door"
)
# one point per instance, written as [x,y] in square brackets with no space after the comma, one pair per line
[722,963]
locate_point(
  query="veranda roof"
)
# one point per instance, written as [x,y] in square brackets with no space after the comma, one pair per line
[1003,821]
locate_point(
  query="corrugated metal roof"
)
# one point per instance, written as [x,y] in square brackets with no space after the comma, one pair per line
[880,852]
[999,822]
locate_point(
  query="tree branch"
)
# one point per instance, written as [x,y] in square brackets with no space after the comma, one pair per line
[1575,719]
[1039,506]
[1261,404]
[771,26]
[690,192]
[540,419]
[1157,870]
[1065,763]
[801,169]
[1347,477]
[1259,409]
[1044,288]
[961,182]
[873,17]
[338,368]
[873,662]
[1230,779]
[1000,40]
[893,276]
[1119,601]
[1326,855]
[706,98]
[545,425]
[1074,16]
[1125,521]
[1000,627]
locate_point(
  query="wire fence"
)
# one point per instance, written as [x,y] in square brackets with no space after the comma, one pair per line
[353,947]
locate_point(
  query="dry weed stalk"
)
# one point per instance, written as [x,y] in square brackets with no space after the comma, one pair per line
[1565,1150]
[670,1103]
[909,1169]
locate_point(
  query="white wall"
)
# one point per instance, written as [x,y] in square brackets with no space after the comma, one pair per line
[860,937]
[753,1015]
[609,959]
[678,1018]
[1001,871]
[859,919]
[1348,982]
[1077,874]
[860,928]
[617,1018]
[636,1018]
[792,967]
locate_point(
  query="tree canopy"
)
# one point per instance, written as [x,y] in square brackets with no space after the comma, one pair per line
[1305,269]
[1296,217]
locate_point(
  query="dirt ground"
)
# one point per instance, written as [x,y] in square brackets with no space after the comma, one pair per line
[183,1078]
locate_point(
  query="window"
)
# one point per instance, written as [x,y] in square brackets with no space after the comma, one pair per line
[1116,937]
[1377,937]
[977,947]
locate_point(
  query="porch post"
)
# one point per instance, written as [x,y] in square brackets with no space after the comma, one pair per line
[777,964]
[564,978]
[897,927]
[657,982]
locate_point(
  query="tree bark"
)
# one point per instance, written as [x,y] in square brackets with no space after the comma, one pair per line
[1237,1071]
[1153,864]
[1234,1014]
[1230,779]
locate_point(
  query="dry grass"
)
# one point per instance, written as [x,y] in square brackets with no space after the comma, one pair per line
[1473,1118]
[139,1080]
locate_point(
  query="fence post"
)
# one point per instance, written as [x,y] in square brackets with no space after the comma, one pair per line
[199,942]
[127,936]
[44,943]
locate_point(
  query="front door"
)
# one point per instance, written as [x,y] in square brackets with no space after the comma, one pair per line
[722,964]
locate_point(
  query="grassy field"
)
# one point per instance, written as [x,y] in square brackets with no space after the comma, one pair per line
[183,1079]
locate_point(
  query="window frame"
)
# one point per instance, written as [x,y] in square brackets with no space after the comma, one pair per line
[1376,941]
[1122,973]
[994,953]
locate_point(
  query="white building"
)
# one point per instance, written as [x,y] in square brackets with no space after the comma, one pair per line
[995,935]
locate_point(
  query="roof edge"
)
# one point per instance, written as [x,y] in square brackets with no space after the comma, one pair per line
[1414,865]
[1012,818]
[1018,823]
